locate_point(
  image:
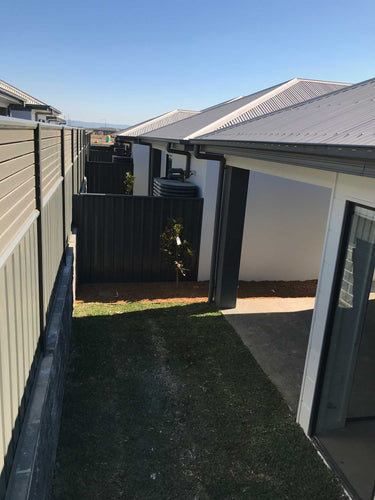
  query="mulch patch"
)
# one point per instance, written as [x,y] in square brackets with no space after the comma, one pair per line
[188,291]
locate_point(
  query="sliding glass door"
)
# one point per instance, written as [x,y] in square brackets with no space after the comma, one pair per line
[346,415]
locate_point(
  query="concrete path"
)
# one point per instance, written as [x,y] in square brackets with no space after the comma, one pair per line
[276,331]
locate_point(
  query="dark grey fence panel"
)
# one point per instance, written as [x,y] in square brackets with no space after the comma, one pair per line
[52,244]
[76,180]
[108,178]
[100,153]
[67,148]
[34,181]
[50,158]
[119,236]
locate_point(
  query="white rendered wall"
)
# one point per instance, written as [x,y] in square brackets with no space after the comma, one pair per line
[285,223]
[206,177]
[141,164]
[347,188]
[178,161]
[284,229]
[285,220]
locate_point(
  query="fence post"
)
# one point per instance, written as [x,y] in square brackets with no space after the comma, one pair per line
[88,141]
[82,146]
[39,207]
[83,152]
[63,188]
[78,160]
[73,167]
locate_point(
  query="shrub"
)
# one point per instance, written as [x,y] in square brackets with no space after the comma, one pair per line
[174,248]
[129,183]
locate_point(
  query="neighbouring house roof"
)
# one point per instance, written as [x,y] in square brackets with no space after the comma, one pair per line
[25,98]
[242,109]
[7,99]
[344,117]
[157,122]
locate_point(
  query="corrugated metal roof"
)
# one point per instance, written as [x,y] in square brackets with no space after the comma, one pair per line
[194,124]
[241,109]
[344,117]
[157,122]
[26,98]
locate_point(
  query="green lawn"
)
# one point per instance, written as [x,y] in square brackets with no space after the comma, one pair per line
[163,401]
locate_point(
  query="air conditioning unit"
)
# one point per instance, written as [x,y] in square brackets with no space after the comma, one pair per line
[169,188]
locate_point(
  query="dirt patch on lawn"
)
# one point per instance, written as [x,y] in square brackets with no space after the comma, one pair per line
[188,291]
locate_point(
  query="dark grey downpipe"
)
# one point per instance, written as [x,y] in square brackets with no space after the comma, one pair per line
[187,173]
[217,225]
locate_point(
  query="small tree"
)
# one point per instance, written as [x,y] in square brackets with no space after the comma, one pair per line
[174,248]
[129,183]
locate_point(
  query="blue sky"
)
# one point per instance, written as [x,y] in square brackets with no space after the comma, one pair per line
[123,62]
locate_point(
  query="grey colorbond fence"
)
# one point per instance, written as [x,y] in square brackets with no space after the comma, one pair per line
[104,177]
[41,168]
[119,236]
[101,153]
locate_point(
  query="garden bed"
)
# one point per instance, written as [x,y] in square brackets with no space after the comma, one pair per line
[189,291]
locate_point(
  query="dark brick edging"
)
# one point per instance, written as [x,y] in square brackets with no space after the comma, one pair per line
[32,471]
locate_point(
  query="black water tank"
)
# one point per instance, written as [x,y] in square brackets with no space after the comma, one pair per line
[169,188]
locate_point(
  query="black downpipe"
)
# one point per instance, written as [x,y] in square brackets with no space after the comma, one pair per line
[218,211]
[187,173]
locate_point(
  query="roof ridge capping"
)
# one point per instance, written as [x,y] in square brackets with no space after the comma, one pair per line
[347,88]
[323,81]
[185,110]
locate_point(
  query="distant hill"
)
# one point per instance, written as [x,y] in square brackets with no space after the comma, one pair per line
[77,123]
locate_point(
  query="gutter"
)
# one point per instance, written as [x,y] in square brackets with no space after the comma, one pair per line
[218,211]
[320,150]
